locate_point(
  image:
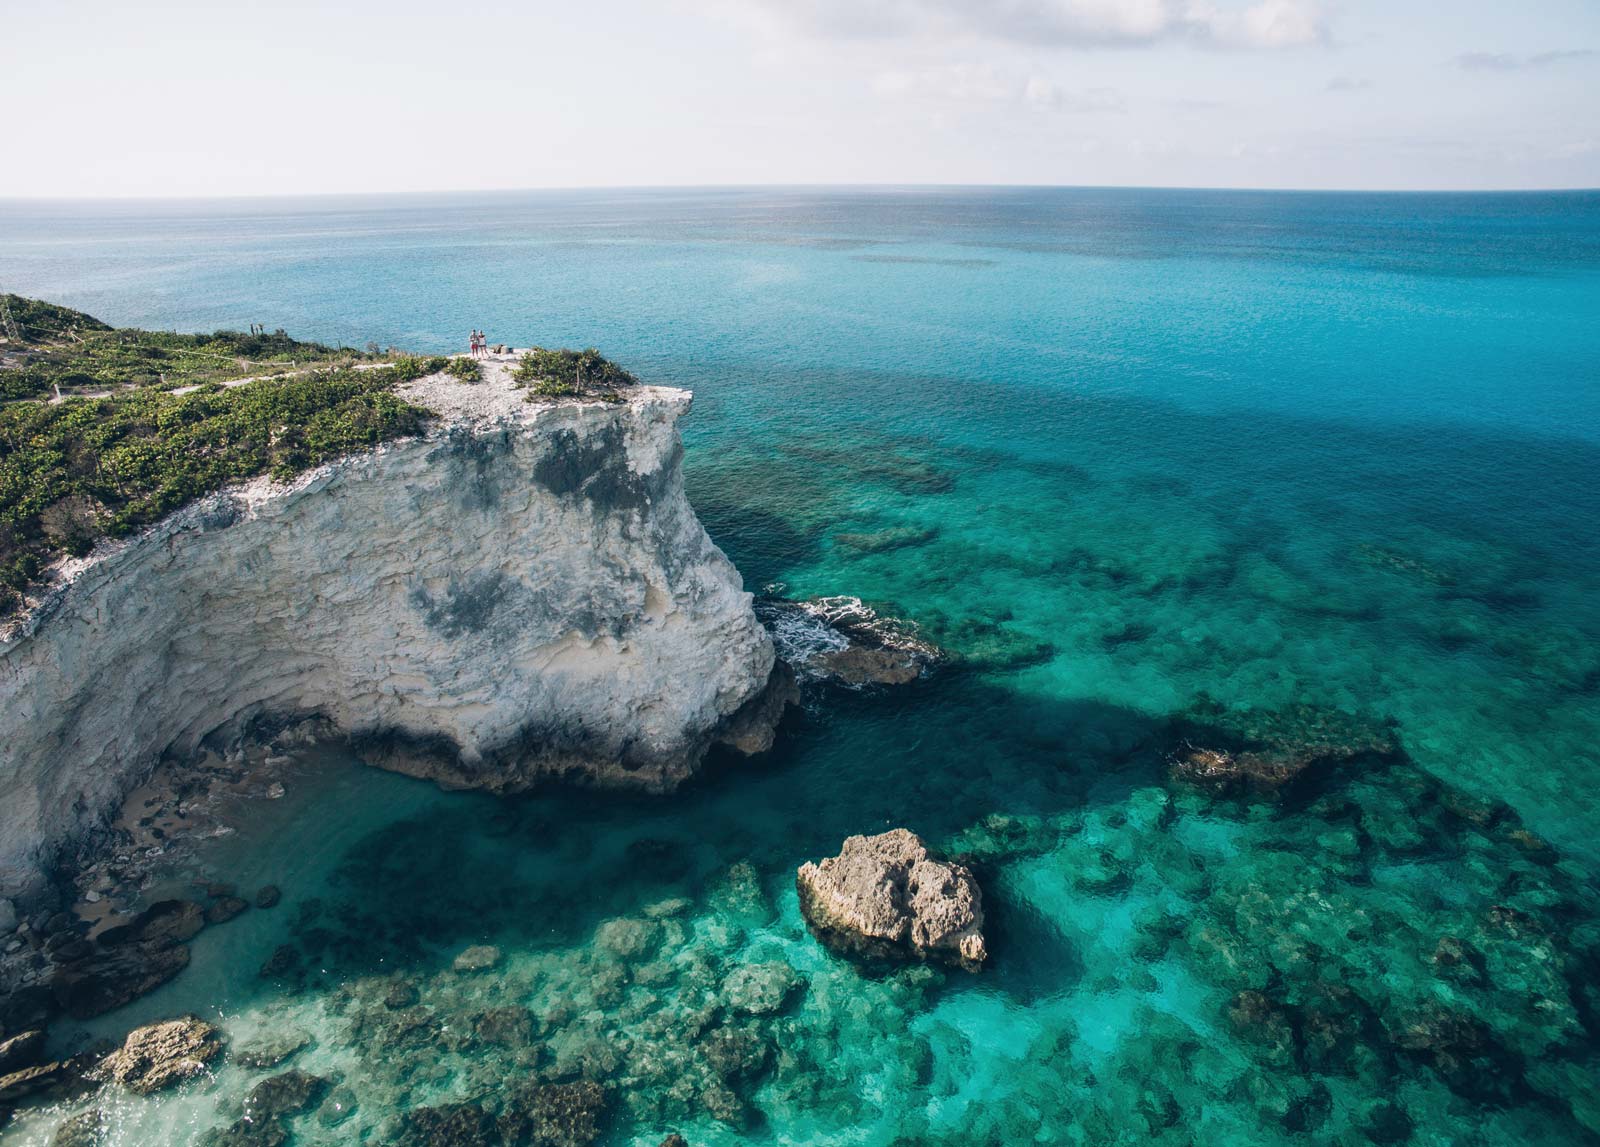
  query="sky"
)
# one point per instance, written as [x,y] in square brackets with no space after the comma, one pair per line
[217,98]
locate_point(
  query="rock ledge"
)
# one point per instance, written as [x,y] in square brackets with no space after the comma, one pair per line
[885,896]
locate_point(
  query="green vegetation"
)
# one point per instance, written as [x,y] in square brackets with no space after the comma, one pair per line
[73,472]
[124,450]
[464,369]
[559,373]
[410,366]
[82,355]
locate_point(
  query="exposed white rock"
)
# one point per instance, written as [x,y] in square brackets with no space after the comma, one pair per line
[885,896]
[523,593]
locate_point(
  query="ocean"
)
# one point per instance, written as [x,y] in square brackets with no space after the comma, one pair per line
[1294,461]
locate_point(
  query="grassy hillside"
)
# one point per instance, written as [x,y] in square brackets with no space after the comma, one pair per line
[74,472]
[82,355]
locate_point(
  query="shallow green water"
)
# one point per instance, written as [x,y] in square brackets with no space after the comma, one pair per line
[1338,455]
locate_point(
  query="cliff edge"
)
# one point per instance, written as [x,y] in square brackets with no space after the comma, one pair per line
[521,593]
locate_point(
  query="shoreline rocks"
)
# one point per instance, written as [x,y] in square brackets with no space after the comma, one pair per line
[159,1055]
[845,641]
[884,896]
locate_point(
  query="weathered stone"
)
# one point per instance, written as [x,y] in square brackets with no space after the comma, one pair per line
[448,1125]
[224,908]
[760,989]
[113,977]
[554,1115]
[885,896]
[283,1095]
[566,554]
[401,994]
[271,1049]
[38,1079]
[339,1106]
[159,1055]
[21,1051]
[281,962]
[269,896]
[478,958]
[86,1129]
[505,1027]
[164,923]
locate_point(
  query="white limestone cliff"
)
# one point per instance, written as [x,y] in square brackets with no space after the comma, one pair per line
[523,593]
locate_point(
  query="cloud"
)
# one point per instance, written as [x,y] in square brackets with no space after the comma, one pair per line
[967,83]
[1507,62]
[981,83]
[1254,24]
[1047,94]
[1348,84]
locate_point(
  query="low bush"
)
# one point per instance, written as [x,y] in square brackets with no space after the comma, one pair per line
[89,468]
[464,369]
[555,373]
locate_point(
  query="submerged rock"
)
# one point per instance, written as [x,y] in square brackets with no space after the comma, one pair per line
[760,989]
[842,639]
[478,958]
[159,1055]
[1267,753]
[283,1095]
[885,896]
[272,1049]
[553,1115]
[269,896]
[224,908]
[85,1129]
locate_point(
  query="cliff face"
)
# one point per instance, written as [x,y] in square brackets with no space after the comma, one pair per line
[523,593]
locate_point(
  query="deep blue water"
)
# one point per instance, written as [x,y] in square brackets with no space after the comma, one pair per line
[1118,451]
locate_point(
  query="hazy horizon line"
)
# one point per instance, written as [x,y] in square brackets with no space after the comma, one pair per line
[793,186]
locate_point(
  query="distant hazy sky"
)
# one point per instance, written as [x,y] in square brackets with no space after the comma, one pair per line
[157,97]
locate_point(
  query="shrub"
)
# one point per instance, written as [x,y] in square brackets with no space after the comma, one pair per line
[553,373]
[87,468]
[464,369]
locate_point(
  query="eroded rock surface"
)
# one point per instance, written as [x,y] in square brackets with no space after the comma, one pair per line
[886,896]
[159,1055]
[522,593]
[843,640]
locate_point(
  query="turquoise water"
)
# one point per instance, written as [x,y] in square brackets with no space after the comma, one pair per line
[1122,453]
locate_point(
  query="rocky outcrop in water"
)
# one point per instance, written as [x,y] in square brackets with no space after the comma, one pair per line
[157,1056]
[524,593]
[885,896]
[843,640]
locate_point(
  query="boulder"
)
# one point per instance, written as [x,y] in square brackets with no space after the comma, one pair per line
[159,1055]
[225,908]
[478,958]
[85,1129]
[279,1096]
[21,1051]
[272,1049]
[885,896]
[8,917]
[554,1115]
[111,977]
[37,1080]
[760,989]
[269,896]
